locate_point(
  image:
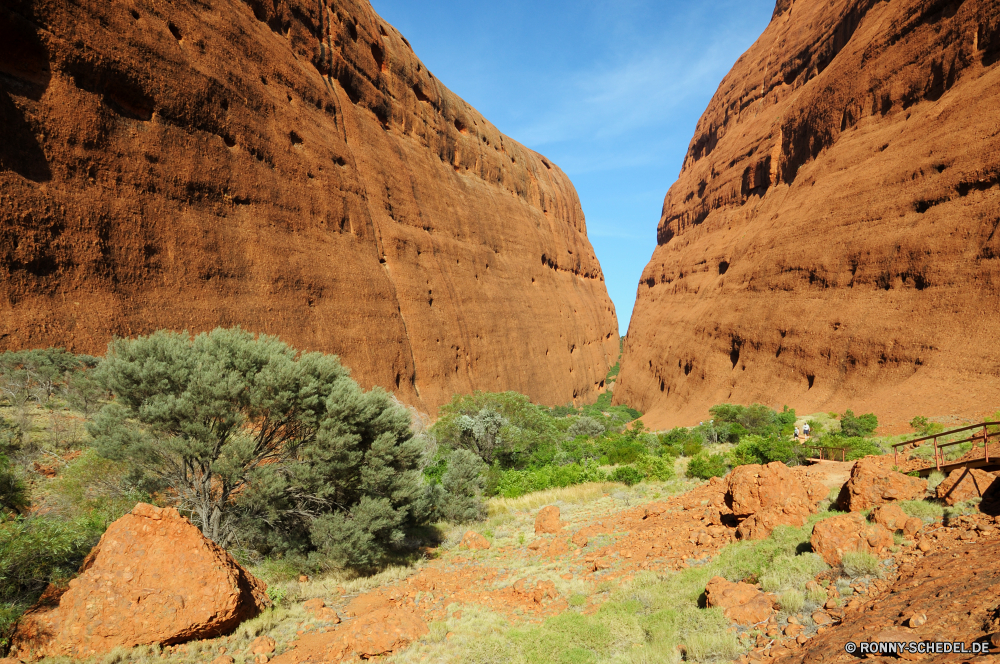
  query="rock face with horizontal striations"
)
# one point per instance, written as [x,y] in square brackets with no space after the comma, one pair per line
[290,167]
[153,578]
[832,240]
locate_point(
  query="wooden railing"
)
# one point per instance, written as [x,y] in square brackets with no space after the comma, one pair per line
[983,434]
[827,453]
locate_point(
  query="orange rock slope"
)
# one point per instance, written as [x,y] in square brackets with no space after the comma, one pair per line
[293,168]
[832,239]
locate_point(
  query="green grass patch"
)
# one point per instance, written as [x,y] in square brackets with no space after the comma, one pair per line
[861,563]
[923,509]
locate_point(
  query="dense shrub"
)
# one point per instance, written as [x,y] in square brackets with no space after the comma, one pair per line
[655,468]
[13,490]
[34,552]
[758,449]
[626,475]
[462,484]
[858,427]
[504,427]
[680,442]
[586,426]
[857,448]
[734,421]
[514,483]
[704,466]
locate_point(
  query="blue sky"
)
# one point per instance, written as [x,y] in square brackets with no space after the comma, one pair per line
[609,90]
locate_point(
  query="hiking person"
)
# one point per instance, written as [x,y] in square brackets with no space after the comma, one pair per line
[796,433]
[805,429]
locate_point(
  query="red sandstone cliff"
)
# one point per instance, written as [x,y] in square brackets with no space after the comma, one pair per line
[832,239]
[290,167]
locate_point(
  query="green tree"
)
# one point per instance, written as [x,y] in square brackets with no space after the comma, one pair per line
[858,427]
[200,415]
[463,483]
[351,492]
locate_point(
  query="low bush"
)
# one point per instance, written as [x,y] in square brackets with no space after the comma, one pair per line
[923,509]
[36,551]
[704,466]
[657,469]
[857,447]
[13,490]
[792,572]
[861,563]
[626,475]
[753,448]
[515,483]
[792,601]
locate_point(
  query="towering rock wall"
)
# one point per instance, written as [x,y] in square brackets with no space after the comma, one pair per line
[291,167]
[832,239]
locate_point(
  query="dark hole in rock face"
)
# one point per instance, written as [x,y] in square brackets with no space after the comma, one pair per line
[811,379]
[353,31]
[379,56]
[135,14]
[296,139]
[723,267]
[174,30]
[459,125]
[734,354]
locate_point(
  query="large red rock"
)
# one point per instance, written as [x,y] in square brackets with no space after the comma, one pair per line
[741,603]
[755,488]
[964,484]
[374,634]
[153,578]
[547,521]
[890,516]
[834,537]
[873,484]
[831,240]
[289,166]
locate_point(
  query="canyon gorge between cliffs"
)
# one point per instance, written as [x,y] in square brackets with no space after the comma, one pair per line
[831,241]
[202,202]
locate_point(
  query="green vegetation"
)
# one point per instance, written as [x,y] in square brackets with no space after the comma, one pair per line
[861,563]
[647,618]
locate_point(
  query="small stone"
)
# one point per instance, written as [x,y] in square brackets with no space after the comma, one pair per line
[801,639]
[222,650]
[793,630]
[262,645]
[917,619]
[831,604]
[822,618]
[303,578]
[792,620]
[924,546]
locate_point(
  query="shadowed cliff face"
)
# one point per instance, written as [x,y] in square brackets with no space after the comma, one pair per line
[290,167]
[832,239]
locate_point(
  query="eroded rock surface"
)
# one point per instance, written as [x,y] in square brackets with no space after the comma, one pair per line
[153,578]
[293,168]
[873,484]
[772,495]
[965,483]
[831,240]
[741,603]
[846,533]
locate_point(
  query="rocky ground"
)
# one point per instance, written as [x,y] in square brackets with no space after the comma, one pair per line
[933,578]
